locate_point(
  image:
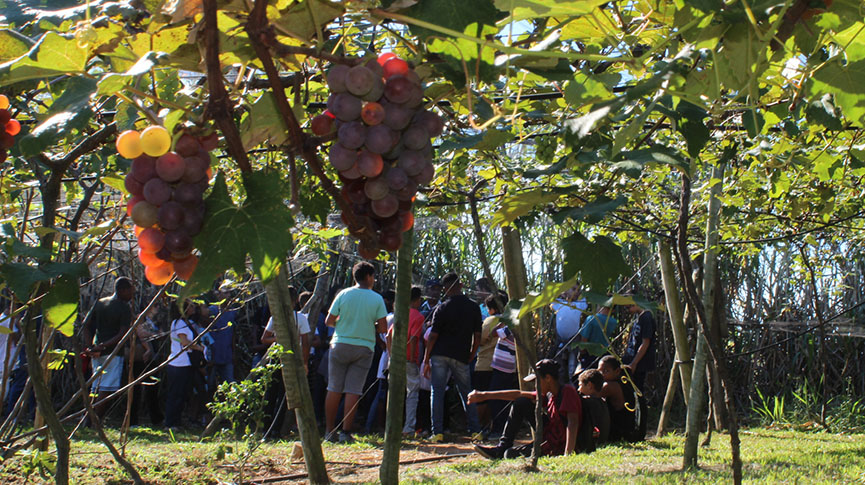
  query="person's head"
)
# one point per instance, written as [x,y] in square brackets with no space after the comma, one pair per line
[434,289]
[494,305]
[364,274]
[124,288]
[451,284]
[609,367]
[547,370]
[389,297]
[416,297]
[591,382]
[604,310]
[185,309]
[483,288]
[292,293]
[304,297]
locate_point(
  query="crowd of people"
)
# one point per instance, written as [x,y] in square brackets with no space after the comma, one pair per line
[461,364]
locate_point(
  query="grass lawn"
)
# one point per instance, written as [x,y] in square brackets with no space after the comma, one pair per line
[770,456]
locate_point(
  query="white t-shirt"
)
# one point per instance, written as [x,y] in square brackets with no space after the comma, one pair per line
[6,352]
[568,317]
[179,327]
[384,361]
[300,318]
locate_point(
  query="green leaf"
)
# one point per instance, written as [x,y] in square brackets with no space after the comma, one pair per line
[452,14]
[692,127]
[598,262]
[60,305]
[511,313]
[617,299]
[551,291]
[585,89]
[753,122]
[13,45]
[527,9]
[299,22]
[592,212]
[520,204]
[57,358]
[114,181]
[21,277]
[259,227]
[52,55]
[16,247]
[459,53]
[845,82]
[70,112]
[263,123]
[113,83]
[656,154]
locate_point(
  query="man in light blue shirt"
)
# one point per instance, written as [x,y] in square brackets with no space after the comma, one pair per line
[356,314]
[599,329]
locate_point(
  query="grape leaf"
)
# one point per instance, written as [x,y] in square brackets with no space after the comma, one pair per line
[13,45]
[21,277]
[452,14]
[551,291]
[593,212]
[845,82]
[263,123]
[259,227]
[52,55]
[60,305]
[520,204]
[598,262]
[526,9]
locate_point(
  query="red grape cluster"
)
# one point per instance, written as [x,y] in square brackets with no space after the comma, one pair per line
[383,151]
[10,128]
[167,203]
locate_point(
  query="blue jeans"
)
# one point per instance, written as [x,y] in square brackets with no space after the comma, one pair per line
[178,382]
[221,373]
[441,368]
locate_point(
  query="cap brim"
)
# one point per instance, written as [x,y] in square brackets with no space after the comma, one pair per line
[529,378]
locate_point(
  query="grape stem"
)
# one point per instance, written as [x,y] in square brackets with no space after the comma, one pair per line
[260,36]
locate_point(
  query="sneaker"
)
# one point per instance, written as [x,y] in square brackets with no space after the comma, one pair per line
[477,436]
[332,437]
[491,452]
[521,451]
[345,438]
[437,438]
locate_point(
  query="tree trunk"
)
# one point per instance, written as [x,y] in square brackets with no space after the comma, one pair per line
[668,398]
[515,279]
[674,309]
[297,395]
[389,471]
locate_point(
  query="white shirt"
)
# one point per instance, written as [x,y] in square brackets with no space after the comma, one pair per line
[568,317]
[300,318]
[7,346]
[179,327]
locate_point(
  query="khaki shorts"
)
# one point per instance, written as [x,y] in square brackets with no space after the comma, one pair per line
[347,368]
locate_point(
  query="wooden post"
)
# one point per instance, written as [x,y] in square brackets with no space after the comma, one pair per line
[674,310]
[668,398]
[515,277]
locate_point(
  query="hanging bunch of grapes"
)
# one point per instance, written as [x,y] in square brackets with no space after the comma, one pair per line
[383,151]
[166,203]
[10,126]
[545,147]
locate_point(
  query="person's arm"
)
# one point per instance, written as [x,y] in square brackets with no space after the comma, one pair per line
[389,339]
[476,343]
[571,433]
[641,352]
[330,321]
[184,341]
[268,337]
[381,325]
[304,350]
[508,395]
[430,343]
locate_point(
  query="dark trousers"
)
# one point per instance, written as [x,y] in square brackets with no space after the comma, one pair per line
[377,407]
[146,392]
[500,381]
[522,412]
[178,382]
[643,425]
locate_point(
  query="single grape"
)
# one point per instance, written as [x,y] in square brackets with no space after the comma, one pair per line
[359,80]
[151,240]
[336,78]
[157,191]
[407,219]
[170,167]
[396,178]
[380,139]
[187,193]
[341,157]
[196,168]
[376,188]
[431,122]
[395,152]
[372,114]
[164,254]
[13,127]
[170,215]
[144,214]
[186,266]
[354,192]
[143,168]
[178,241]
[132,185]
[5,116]
[386,206]
[415,98]
[131,203]
[396,116]
[187,145]
[408,192]
[209,142]
[373,65]
[128,144]
[367,252]
[155,141]
[159,275]
[411,162]
[193,219]
[369,164]
[4,102]
[395,67]
[352,134]
[415,137]
[398,89]
[384,57]
[350,173]
[376,92]
[391,241]
[321,125]
[426,175]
